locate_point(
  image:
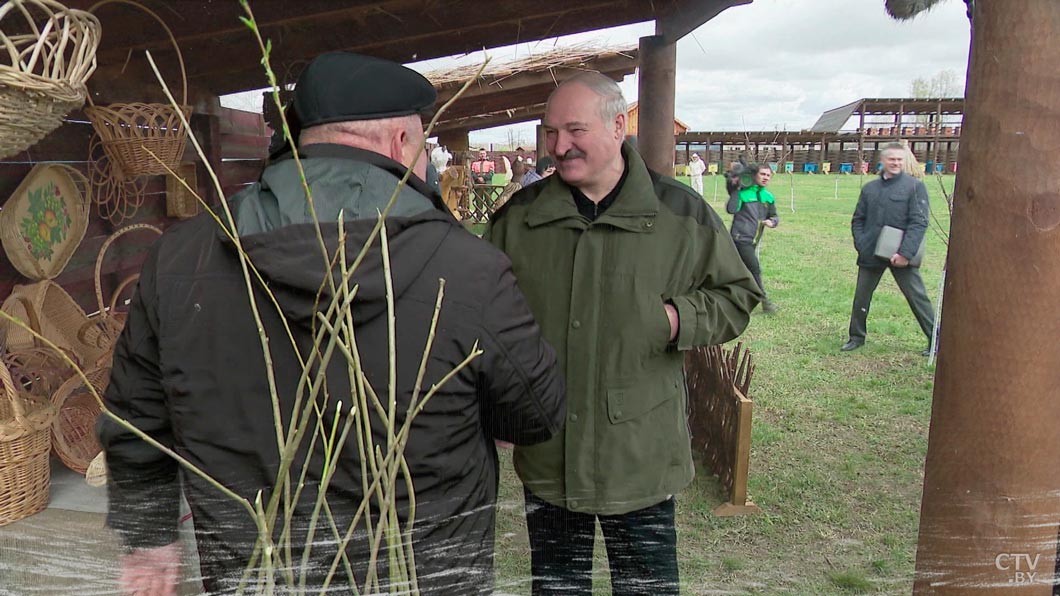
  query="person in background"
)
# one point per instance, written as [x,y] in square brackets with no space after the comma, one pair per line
[900,201]
[625,270]
[518,171]
[189,369]
[696,167]
[544,168]
[482,169]
[753,207]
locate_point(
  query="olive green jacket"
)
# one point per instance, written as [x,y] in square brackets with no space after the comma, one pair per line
[597,290]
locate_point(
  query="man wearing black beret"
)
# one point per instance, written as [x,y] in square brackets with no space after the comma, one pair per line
[189,368]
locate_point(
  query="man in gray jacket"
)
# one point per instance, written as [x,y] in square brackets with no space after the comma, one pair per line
[900,201]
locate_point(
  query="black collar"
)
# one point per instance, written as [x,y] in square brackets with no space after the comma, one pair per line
[590,210]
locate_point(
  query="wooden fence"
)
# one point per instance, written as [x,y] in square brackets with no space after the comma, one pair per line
[720,419]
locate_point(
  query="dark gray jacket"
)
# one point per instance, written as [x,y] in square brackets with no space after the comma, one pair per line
[747,214]
[900,202]
[189,370]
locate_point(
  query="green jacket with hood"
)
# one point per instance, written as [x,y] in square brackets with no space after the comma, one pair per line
[598,289]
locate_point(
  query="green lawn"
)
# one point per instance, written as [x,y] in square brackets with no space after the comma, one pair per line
[838,440]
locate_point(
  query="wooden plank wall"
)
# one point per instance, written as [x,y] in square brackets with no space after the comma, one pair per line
[236,143]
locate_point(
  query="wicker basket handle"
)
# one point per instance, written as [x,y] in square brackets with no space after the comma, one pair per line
[180,57]
[12,393]
[103,251]
[128,281]
[33,320]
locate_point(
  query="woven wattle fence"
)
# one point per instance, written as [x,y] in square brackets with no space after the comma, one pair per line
[718,381]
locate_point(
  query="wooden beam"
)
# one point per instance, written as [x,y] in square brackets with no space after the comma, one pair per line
[478,122]
[690,15]
[614,66]
[400,30]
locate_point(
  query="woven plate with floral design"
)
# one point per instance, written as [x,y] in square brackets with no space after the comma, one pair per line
[44,220]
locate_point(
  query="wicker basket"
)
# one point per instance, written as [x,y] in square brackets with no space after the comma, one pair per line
[46,307]
[103,329]
[131,132]
[73,431]
[47,52]
[45,220]
[25,440]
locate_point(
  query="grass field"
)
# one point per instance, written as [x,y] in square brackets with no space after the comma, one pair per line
[839,438]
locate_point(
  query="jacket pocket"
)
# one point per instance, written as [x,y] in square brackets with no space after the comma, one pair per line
[629,402]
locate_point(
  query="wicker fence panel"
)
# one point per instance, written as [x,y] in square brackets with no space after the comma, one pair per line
[718,382]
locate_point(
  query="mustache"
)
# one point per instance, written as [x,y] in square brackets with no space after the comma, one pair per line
[571,154]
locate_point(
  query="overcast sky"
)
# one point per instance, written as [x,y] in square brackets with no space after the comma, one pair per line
[774,64]
[777,64]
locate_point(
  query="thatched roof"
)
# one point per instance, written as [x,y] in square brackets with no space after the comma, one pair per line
[907,9]
[576,57]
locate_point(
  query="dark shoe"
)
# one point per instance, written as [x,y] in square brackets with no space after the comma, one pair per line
[769,307]
[851,345]
[926,352]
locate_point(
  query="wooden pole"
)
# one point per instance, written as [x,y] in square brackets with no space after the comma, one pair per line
[991,506]
[657,86]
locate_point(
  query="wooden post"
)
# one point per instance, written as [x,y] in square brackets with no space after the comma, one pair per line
[991,504]
[542,148]
[738,503]
[208,129]
[658,76]
[454,140]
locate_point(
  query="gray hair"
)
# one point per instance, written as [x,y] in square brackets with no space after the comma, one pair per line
[611,101]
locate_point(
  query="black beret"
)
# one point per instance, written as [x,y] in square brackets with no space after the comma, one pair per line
[343,86]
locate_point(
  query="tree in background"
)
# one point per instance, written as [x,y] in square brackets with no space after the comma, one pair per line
[945,83]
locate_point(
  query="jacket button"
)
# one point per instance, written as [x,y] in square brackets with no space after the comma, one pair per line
[573,417]
[648,223]
[576,324]
[618,413]
[573,504]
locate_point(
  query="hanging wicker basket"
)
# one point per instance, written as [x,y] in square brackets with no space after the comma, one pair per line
[47,52]
[48,309]
[103,329]
[26,417]
[73,429]
[131,132]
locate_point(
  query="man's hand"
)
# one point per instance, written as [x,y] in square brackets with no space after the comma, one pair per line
[770,223]
[151,571]
[899,261]
[675,321]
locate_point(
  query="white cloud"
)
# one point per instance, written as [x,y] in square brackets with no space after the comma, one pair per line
[778,64]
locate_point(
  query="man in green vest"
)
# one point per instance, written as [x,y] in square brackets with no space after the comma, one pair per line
[753,209]
[625,270]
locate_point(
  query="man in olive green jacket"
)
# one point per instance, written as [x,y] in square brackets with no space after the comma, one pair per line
[624,270]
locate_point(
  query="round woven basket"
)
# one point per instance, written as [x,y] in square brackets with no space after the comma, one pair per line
[47,52]
[25,441]
[73,430]
[132,132]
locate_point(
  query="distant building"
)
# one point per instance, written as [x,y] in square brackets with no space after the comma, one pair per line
[632,120]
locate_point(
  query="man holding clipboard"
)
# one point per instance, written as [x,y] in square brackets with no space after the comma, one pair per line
[888,226]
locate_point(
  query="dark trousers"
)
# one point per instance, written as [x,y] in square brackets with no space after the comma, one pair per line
[912,287]
[641,549]
[750,259]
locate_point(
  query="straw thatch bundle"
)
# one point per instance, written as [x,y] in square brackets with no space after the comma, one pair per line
[573,57]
